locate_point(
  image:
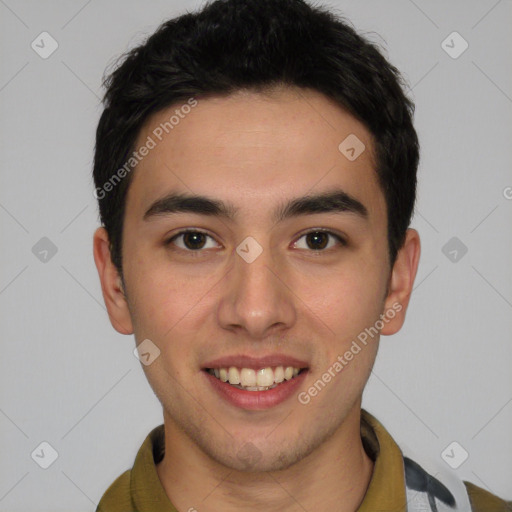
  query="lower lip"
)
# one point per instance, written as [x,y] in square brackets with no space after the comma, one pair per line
[256,400]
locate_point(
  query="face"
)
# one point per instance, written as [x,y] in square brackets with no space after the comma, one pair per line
[281,262]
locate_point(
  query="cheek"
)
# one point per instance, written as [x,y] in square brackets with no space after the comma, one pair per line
[168,303]
[158,298]
[347,299]
[350,307]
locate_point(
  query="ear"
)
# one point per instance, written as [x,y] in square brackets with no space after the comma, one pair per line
[111,284]
[401,282]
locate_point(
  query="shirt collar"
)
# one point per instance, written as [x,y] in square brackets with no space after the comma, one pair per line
[148,494]
[386,492]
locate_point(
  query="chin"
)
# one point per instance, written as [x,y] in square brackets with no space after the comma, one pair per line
[249,458]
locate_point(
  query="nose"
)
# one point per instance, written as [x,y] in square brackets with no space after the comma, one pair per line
[256,299]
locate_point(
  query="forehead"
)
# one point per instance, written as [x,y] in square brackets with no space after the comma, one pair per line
[258,146]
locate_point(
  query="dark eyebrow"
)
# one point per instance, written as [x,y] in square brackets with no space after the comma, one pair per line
[328,202]
[336,201]
[201,205]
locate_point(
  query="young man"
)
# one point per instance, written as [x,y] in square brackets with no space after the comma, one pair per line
[255,169]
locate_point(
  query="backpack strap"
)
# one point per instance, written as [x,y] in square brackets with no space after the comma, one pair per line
[440,493]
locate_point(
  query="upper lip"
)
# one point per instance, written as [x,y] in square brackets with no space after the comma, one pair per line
[245,361]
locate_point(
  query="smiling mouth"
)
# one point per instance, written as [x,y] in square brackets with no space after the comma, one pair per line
[249,379]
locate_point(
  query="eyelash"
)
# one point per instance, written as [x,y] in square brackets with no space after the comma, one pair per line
[342,242]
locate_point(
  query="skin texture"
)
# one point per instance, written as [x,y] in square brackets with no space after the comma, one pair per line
[256,151]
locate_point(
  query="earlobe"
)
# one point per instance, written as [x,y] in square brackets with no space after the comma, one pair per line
[401,283]
[111,284]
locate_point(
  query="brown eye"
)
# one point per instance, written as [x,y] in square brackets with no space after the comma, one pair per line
[320,240]
[192,240]
[317,240]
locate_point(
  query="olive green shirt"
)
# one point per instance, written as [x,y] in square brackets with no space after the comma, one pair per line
[140,490]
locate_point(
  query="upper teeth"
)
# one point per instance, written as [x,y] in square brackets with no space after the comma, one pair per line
[248,377]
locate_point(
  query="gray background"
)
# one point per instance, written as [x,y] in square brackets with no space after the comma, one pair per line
[69,379]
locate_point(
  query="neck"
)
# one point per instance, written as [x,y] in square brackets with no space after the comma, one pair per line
[334,477]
